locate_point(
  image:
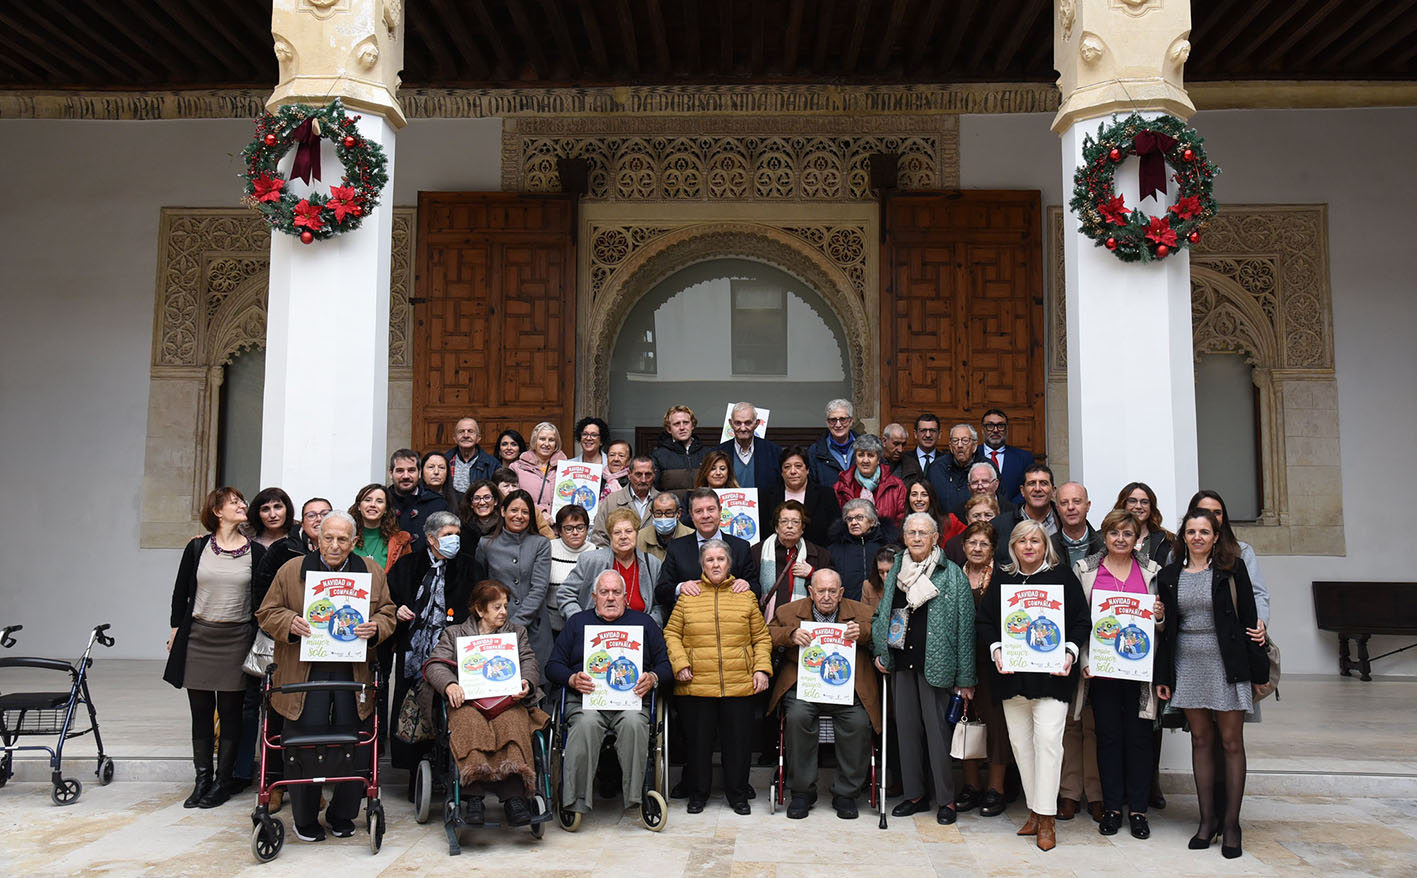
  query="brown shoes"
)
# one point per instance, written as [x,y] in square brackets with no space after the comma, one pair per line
[1030,827]
[1047,838]
[1067,808]
[1095,809]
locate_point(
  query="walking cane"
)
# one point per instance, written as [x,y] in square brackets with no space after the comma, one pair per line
[885,748]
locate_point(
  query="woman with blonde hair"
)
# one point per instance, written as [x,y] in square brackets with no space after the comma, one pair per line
[536,468]
[1035,703]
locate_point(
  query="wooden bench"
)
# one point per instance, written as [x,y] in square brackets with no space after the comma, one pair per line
[1360,610]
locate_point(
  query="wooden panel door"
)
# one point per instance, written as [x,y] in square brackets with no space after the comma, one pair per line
[962,310]
[495,315]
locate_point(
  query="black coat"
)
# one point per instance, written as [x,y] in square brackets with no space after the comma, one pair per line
[681,564]
[281,551]
[823,467]
[414,509]
[184,596]
[1245,660]
[675,465]
[950,480]
[988,630]
[405,577]
[854,558]
[822,509]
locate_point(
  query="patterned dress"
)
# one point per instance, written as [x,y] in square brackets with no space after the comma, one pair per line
[1200,671]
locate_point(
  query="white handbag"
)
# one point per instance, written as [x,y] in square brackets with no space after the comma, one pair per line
[971,738]
[263,652]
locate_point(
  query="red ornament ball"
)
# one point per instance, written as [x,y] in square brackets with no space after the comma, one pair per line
[269,140]
[1115,155]
[349,141]
[359,211]
[1194,237]
[1111,243]
[1189,155]
[1162,250]
[306,237]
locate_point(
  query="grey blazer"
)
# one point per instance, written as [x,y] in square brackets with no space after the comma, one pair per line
[573,595]
[522,562]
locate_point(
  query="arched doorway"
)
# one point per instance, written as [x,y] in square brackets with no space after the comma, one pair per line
[725,329]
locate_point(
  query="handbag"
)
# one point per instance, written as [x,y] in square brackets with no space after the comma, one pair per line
[493,706]
[261,654]
[1271,651]
[412,726]
[971,738]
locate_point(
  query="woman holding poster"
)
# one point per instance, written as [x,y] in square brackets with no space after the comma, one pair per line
[923,636]
[494,753]
[1120,585]
[536,468]
[1034,618]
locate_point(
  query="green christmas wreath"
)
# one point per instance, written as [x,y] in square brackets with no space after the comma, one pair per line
[1130,233]
[319,216]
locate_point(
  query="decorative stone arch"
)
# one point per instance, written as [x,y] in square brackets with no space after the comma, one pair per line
[668,250]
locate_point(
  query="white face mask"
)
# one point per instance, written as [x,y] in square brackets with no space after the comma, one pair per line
[664,526]
[448,545]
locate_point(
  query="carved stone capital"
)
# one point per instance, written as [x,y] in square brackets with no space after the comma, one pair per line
[1120,56]
[347,49]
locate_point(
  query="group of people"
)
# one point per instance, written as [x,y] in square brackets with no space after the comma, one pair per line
[909,548]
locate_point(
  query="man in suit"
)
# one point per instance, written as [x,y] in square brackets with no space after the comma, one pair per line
[927,437]
[1009,462]
[681,569]
[754,460]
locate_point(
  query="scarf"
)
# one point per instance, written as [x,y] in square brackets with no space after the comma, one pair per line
[871,483]
[842,450]
[613,481]
[428,627]
[779,590]
[914,577]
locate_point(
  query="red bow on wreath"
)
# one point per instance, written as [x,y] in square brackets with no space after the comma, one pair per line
[1151,147]
[307,152]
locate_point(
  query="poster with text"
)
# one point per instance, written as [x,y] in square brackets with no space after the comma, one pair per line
[739,515]
[614,659]
[335,603]
[489,665]
[1033,627]
[826,668]
[760,429]
[577,484]
[1123,634]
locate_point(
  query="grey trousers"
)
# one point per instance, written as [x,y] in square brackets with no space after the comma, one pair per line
[853,745]
[921,716]
[585,734]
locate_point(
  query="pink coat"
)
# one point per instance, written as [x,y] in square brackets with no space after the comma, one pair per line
[889,494]
[540,485]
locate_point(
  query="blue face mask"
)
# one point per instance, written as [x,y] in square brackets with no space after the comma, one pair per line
[664,526]
[448,545]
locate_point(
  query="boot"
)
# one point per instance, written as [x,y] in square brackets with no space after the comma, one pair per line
[1031,826]
[202,759]
[1047,838]
[220,789]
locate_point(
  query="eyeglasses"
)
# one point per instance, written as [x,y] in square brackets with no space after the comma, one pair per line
[482,501]
[856,518]
[961,441]
[839,420]
[919,533]
[998,425]
[590,435]
[316,516]
[1135,501]
[981,483]
[573,528]
[927,431]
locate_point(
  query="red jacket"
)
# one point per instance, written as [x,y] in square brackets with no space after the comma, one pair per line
[889,493]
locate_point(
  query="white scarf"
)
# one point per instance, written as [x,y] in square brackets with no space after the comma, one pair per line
[914,577]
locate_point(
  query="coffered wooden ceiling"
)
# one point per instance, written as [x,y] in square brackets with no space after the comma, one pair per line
[166,44]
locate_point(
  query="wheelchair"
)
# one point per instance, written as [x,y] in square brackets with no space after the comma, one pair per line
[654,795]
[778,794]
[438,769]
[51,713]
[268,832]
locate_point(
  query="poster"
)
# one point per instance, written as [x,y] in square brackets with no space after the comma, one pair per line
[826,669]
[760,430]
[739,515]
[489,665]
[614,659]
[577,483]
[334,604]
[1123,635]
[1033,627]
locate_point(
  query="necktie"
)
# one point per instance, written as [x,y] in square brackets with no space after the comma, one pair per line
[994,456]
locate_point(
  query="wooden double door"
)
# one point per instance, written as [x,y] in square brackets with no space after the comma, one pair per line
[961,312]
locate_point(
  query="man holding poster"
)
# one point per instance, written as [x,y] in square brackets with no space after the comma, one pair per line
[1117,669]
[827,643]
[609,655]
[284,616]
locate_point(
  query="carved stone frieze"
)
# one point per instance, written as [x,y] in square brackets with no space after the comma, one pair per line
[349,49]
[718,158]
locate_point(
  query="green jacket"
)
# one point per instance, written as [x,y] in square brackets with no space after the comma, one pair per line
[949,641]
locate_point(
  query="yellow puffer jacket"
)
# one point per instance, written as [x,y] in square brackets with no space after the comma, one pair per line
[722,638]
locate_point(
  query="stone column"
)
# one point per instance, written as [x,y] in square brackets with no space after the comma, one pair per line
[1131,383]
[327,329]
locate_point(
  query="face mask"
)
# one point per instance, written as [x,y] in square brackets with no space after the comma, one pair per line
[664,526]
[448,545]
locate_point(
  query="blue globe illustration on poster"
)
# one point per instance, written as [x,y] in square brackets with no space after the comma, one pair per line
[1132,643]
[584,497]
[1043,635]
[498,669]
[742,526]
[342,622]
[836,670]
[622,675]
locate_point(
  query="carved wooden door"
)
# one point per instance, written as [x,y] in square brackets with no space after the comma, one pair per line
[495,315]
[962,310]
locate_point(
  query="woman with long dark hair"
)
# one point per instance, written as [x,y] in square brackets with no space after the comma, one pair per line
[1153,541]
[510,446]
[380,536]
[270,517]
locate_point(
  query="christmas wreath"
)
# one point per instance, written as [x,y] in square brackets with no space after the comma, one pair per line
[1129,232]
[318,216]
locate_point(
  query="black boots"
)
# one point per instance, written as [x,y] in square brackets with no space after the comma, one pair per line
[221,786]
[202,759]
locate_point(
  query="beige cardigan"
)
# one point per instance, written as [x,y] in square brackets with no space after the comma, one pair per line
[1086,571]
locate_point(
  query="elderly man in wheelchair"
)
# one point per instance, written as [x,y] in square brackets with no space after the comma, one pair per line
[853,723]
[582,727]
